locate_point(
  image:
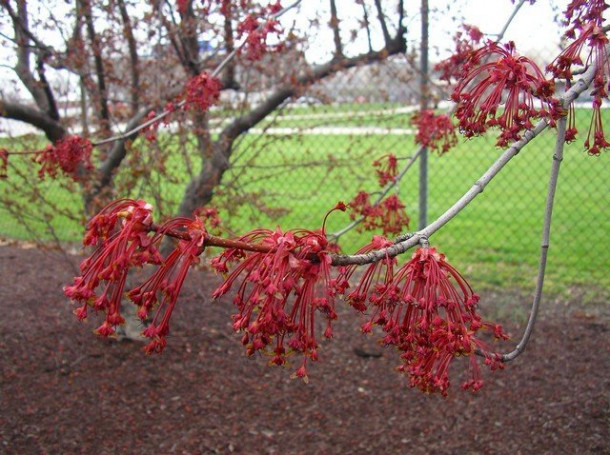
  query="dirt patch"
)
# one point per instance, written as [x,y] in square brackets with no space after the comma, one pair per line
[65,391]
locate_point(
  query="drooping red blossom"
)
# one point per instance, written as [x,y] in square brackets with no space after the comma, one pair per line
[429,312]
[393,218]
[375,281]
[437,132]
[121,234]
[163,287]
[210,217]
[67,154]
[571,130]
[281,291]
[3,163]
[389,215]
[202,91]
[596,141]
[502,92]
[361,206]
[386,169]
[580,13]
[591,36]
[466,42]
[257,32]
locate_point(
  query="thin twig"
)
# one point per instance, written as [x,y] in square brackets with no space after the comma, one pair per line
[510,19]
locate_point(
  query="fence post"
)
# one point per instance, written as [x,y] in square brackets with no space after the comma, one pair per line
[423,104]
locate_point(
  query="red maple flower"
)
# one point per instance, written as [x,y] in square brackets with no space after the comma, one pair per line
[210,217]
[388,215]
[592,36]
[596,141]
[163,287]
[429,312]
[121,233]
[393,218]
[436,132]
[464,55]
[202,91]
[386,169]
[257,34]
[67,154]
[502,92]
[361,206]
[376,279]
[282,289]
[580,13]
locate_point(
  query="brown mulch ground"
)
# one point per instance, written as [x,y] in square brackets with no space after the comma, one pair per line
[65,391]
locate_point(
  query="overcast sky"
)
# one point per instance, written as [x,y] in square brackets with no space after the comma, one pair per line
[533,29]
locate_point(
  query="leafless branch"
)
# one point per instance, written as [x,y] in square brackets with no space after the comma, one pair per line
[382,21]
[133,56]
[228,78]
[102,93]
[334,25]
[367,26]
[15,111]
[22,37]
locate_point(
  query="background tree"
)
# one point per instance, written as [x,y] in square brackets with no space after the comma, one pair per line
[130,60]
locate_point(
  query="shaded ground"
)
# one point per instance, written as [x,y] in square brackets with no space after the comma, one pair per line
[62,390]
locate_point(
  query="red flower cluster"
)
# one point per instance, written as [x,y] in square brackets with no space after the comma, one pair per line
[201,92]
[480,94]
[580,13]
[587,31]
[67,154]
[389,215]
[436,132]
[120,232]
[283,287]
[429,312]
[210,217]
[257,33]
[465,44]
[386,169]
[375,281]
[3,163]
[167,280]
[150,131]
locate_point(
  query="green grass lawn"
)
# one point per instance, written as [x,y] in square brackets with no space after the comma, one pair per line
[494,242]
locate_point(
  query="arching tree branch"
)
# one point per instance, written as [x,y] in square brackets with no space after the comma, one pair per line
[15,111]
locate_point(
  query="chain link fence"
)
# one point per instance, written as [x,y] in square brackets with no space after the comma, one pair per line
[318,150]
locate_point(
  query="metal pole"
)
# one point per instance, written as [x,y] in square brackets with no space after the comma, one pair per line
[423,105]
